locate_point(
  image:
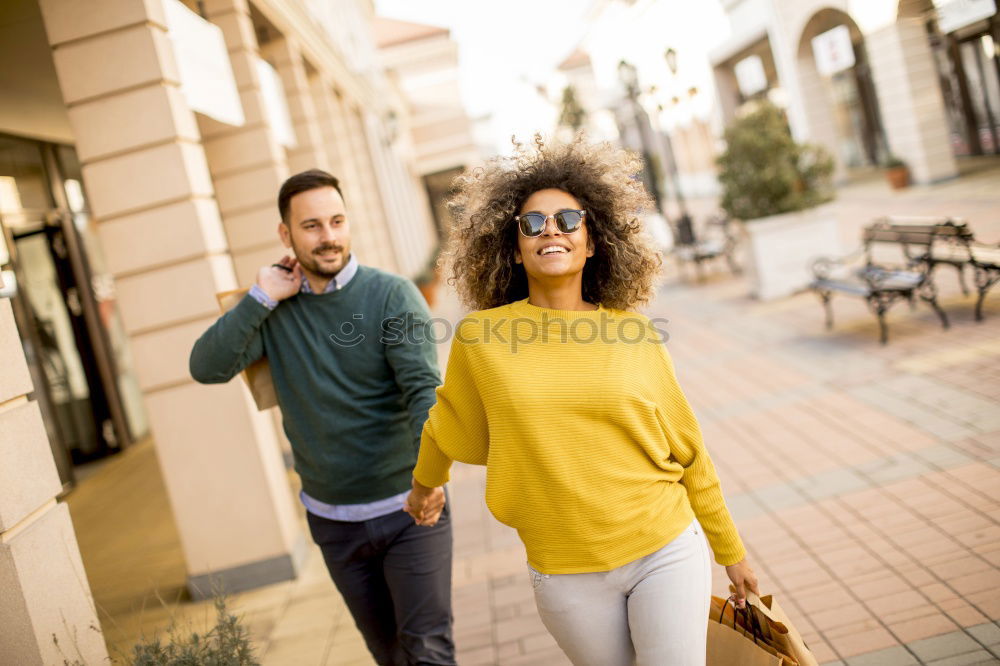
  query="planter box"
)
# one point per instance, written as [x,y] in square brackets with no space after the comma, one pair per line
[898,177]
[783,247]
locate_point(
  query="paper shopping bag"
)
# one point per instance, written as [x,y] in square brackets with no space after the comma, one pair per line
[735,638]
[790,641]
[257,375]
[783,635]
[728,647]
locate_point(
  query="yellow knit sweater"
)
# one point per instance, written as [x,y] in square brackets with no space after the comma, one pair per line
[592,452]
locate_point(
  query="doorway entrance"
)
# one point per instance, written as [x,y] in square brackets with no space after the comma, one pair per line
[838,90]
[64,306]
[969,68]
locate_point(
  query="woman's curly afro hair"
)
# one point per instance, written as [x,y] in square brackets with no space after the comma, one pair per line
[623,272]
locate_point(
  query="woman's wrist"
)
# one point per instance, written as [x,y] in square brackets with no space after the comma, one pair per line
[421,488]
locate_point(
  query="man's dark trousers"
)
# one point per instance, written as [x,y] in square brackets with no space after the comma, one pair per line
[395,577]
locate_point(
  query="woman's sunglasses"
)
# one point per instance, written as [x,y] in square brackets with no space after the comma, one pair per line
[533,224]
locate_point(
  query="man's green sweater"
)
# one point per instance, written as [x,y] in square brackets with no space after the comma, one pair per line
[354,372]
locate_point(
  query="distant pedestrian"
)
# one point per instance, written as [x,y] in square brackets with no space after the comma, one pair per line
[569,399]
[353,402]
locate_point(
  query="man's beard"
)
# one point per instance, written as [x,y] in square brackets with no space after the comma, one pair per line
[310,262]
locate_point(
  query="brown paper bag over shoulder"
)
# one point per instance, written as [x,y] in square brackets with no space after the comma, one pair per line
[257,375]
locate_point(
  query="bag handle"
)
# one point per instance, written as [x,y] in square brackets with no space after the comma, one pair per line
[756,629]
[758,603]
[750,621]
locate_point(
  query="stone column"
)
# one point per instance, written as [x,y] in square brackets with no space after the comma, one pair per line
[727,93]
[909,97]
[342,164]
[149,188]
[409,222]
[367,180]
[401,221]
[247,164]
[817,107]
[309,153]
[46,609]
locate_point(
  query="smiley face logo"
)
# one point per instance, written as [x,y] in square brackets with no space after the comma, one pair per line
[347,334]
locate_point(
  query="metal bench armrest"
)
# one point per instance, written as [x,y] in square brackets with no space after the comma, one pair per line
[822,266]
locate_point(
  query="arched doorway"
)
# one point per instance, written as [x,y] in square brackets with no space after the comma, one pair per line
[837,90]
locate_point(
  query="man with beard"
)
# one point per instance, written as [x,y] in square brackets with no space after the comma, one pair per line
[354,377]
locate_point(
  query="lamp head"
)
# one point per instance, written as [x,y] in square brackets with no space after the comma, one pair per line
[628,75]
[671,57]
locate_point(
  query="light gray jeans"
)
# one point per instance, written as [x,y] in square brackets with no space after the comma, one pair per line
[650,612]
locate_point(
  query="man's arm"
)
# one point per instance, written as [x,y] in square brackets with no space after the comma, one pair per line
[230,344]
[410,352]
[234,342]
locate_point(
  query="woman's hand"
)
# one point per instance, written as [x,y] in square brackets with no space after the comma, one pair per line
[743,579]
[424,504]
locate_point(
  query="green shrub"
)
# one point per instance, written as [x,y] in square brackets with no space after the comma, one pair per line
[429,274]
[572,114]
[225,644]
[764,171]
[893,162]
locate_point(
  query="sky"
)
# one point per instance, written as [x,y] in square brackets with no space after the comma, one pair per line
[504,49]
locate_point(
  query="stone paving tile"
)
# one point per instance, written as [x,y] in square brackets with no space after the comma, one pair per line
[947,645]
[977,658]
[949,401]
[941,426]
[894,468]
[955,648]
[893,656]
[987,633]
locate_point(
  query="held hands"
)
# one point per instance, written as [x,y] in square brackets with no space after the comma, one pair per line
[743,579]
[279,283]
[424,504]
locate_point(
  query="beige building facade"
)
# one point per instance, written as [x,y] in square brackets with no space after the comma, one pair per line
[869,80]
[872,79]
[423,71]
[142,145]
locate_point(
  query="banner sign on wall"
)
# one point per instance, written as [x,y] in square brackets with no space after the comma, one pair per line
[275,104]
[207,80]
[750,75]
[960,13]
[833,51]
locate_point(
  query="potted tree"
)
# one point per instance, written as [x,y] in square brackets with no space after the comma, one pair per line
[777,186]
[896,172]
[429,278]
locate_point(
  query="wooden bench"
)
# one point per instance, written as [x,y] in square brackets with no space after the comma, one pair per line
[881,282]
[719,242]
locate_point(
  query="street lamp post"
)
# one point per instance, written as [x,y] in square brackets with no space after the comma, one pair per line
[629,77]
[684,222]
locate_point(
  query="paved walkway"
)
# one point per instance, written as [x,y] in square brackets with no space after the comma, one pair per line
[864,479]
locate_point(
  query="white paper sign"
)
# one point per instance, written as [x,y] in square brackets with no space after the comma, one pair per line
[203,64]
[275,104]
[960,13]
[750,75]
[833,50]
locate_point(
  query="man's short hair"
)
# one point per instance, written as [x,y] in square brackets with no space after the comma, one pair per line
[312,179]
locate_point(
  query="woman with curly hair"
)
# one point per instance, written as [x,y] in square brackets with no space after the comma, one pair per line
[569,399]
